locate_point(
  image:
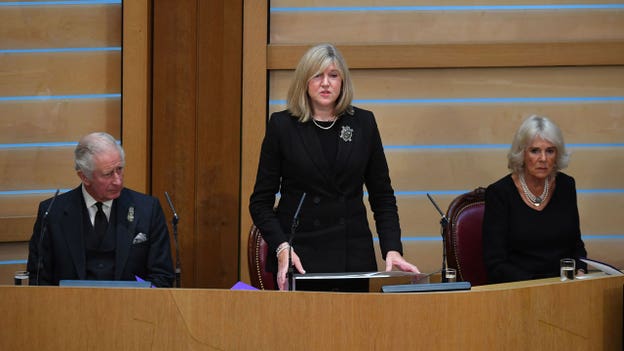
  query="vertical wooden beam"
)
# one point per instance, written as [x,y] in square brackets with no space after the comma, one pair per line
[174,106]
[136,93]
[255,30]
[196,139]
[219,34]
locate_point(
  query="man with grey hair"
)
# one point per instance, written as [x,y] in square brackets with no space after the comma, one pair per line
[100,230]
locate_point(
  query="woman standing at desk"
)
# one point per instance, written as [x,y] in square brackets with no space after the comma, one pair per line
[324,147]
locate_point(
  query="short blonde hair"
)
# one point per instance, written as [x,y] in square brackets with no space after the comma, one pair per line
[313,62]
[532,127]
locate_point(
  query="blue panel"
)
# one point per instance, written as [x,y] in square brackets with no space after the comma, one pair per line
[482,100]
[13,262]
[55,50]
[59,3]
[588,237]
[491,146]
[31,192]
[60,97]
[451,8]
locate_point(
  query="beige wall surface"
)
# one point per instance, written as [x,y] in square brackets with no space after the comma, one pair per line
[62,78]
[449,86]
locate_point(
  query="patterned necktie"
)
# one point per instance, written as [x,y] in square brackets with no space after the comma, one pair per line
[100,220]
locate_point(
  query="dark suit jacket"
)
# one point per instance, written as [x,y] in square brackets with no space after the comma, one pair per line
[63,246]
[333,233]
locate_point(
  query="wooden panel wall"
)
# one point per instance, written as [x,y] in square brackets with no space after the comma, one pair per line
[450,83]
[61,79]
[196,132]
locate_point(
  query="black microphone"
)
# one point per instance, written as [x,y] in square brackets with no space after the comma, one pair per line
[444,220]
[443,224]
[174,225]
[175,214]
[293,228]
[44,226]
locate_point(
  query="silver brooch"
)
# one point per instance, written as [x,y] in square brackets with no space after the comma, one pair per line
[130,217]
[346,133]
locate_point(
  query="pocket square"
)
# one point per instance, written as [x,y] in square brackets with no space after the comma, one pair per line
[139,238]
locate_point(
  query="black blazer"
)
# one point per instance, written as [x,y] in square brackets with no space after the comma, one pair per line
[333,234]
[63,247]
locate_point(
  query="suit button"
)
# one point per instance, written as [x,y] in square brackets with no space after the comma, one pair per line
[317,199]
[317,223]
[342,221]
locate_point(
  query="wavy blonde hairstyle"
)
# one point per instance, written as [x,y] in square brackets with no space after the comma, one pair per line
[313,62]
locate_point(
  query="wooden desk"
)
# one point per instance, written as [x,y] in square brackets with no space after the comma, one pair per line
[539,315]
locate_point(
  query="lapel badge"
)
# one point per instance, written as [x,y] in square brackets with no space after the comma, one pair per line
[346,133]
[130,217]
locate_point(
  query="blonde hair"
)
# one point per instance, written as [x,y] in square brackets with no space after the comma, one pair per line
[532,127]
[313,62]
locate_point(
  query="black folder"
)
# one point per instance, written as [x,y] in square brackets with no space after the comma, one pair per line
[409,288]
[106,283]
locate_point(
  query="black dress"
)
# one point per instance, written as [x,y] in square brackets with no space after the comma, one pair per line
[520,243]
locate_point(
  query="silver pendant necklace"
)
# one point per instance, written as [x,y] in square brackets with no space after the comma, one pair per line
[535,200]
[324,128]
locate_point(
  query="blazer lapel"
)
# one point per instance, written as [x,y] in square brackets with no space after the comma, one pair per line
[347,138]
[125,223]
[73,230]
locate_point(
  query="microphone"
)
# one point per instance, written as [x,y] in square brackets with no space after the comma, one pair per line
[175,214]
[44,226]
[444,220]
[293,228]
[443,224]
[174,225]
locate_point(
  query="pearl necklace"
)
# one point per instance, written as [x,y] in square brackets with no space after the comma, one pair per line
[535,200]
[324,128]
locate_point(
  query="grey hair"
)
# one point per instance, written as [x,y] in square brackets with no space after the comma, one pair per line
[91,145]
[314,61]
[532,127]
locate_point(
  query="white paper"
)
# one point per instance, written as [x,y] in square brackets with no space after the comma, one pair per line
[359,275]
[608,269]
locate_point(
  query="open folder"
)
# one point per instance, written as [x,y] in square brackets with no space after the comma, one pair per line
[359,275]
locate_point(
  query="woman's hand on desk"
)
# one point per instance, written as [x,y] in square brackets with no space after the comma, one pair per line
[394,259]
[282,267]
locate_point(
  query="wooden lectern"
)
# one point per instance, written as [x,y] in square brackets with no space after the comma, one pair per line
[534,315]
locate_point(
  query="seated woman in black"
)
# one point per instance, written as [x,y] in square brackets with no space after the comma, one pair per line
[531,216]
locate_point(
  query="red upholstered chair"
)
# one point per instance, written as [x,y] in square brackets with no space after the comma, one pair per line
[257,251]
[463,236]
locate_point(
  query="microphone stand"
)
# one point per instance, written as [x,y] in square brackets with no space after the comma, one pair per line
[443,224]
[44,226]
[174,226]
[293,228]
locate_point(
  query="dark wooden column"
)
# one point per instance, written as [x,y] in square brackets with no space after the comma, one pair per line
[197,58]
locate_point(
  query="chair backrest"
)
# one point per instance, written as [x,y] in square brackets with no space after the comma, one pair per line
[463,236]
[257,251]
